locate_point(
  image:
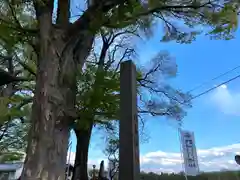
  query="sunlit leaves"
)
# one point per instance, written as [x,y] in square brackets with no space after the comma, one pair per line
[225,22]
[11,157]
[104,99]
[220,17]
[14,135]
[14,124]
[154,3]
[17,22]
[180,37]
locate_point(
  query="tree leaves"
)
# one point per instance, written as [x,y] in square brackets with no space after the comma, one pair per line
[105,100]
[11,157]
[14,122]
[220,17]
[225,22]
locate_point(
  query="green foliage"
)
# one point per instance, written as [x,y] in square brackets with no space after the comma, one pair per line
[10,107]
[15,98]
[11,157]
[16,22]
[100,103]
[182,22]
[14,124]
[225,21]
[227,175]
[221,175]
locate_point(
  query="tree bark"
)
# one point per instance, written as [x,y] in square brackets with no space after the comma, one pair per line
[53,108]
[50,130]
[81,160]
[52,114]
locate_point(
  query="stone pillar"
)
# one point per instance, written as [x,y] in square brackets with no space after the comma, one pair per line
[101,170]
[129,168]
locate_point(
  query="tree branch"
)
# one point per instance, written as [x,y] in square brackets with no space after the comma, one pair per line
[25,66]
[85,22]
[7,78]
[14,15]
[153,113]
[63,12]
[18,29]
[169,8]
[43,7]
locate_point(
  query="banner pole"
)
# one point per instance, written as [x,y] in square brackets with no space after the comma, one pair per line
[181,152]
[68,163]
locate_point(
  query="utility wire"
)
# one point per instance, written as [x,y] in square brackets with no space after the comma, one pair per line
[207,91]
[217,77]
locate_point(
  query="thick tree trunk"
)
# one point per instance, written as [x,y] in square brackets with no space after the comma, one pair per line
[81,159]
[54,104]
[52,114]
[49,133]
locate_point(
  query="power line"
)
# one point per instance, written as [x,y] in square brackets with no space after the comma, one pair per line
[207,91]
[217,77]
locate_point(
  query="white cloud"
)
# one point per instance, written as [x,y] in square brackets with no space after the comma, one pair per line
[212,159]
[227,101]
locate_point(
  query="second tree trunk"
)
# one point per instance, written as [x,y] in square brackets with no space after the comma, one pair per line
[81,160]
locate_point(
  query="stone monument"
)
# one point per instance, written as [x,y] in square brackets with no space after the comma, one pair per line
[101,171]
[129,168]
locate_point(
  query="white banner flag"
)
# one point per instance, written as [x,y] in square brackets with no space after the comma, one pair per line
[189,153]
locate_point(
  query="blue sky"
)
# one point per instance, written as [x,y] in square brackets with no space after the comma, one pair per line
[197,63]
[214,117]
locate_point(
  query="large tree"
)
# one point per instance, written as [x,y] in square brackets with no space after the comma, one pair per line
[61,49]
